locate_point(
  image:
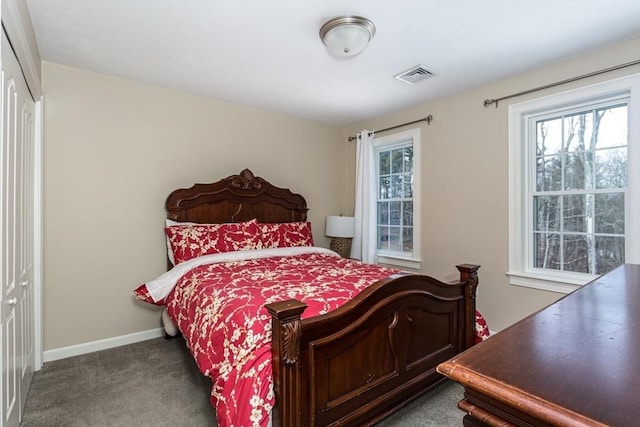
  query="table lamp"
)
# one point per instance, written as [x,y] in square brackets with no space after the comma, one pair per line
[341,229]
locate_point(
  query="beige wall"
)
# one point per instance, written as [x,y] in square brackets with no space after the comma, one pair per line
[114,150]
[465,179]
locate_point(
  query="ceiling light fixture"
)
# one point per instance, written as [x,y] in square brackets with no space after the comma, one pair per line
[347,36]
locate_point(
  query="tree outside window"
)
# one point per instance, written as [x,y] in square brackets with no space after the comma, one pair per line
[395,199]
[578,199]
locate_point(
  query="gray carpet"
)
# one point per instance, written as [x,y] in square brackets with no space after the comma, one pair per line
[156,383]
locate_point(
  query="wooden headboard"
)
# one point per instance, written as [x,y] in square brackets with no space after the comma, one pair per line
[236,198]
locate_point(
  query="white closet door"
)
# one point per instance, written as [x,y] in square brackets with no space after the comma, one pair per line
[16,237]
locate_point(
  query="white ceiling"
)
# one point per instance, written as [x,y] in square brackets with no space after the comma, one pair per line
[267,53]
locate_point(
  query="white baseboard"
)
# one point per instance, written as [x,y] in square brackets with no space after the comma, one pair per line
[90,347]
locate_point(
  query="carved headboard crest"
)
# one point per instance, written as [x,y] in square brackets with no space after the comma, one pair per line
[245,181]
[236,198]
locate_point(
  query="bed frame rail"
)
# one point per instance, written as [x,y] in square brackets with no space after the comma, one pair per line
[372,356]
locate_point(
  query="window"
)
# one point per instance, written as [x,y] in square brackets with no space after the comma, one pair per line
[573,187]
[398,198]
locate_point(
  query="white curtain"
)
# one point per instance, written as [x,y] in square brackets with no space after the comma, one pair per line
[363,246]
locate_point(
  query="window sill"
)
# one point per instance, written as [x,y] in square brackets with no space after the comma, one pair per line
[400,262]
[549,282]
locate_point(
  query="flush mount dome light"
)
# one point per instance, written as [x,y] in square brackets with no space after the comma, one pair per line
[347,35]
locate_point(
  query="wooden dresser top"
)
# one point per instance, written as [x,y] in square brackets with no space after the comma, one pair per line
[576,361]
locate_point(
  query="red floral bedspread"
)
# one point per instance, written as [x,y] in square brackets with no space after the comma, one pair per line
[219,308]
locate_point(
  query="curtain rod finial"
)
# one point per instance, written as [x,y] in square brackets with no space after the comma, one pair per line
[488,102]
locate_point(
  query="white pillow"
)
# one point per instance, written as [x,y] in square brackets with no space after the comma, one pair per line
[170,223]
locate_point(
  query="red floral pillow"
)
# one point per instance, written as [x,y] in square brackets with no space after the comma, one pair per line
[286,235]
[191,241]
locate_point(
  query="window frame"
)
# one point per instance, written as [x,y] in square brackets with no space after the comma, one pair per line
[389,142]
[521,157]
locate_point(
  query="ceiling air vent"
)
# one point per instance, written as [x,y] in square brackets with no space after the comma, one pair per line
[414,75]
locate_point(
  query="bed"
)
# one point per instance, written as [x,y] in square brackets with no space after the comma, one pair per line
[361,346]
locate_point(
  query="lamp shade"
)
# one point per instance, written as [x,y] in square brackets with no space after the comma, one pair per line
[340,226]
[347,35]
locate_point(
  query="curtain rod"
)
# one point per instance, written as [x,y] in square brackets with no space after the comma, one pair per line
[427,119]
[488,102]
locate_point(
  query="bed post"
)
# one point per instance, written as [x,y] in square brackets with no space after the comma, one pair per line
[469,275]
[285,349]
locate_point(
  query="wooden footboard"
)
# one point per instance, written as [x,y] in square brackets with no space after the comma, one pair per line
[372,356]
